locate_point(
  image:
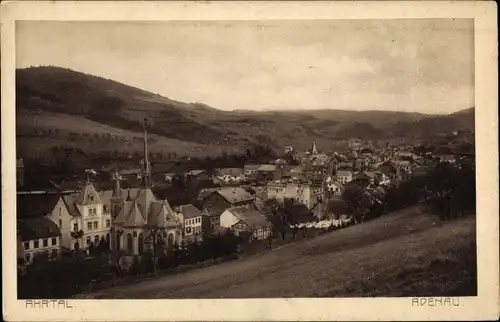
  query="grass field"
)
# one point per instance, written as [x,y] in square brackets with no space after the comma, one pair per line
[406,253]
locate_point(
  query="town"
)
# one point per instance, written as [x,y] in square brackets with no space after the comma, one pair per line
[138,224]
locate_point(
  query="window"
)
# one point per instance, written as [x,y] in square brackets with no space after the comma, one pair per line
[26,245]
[129,243]
[96,224]
[95,211]
[75,227]
[88,240]
[45,242]
[36,244]
[188,230]
[108,222]
[96,239]
[89,225]
[54,241]
[60,223]
[60,211]
[141,244]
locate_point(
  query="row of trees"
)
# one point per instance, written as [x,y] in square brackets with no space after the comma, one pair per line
[449,190]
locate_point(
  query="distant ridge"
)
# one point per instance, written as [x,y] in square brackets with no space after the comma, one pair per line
[58,106]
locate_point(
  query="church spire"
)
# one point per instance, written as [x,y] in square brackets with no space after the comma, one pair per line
[314,150]
[118,191]
[146,166]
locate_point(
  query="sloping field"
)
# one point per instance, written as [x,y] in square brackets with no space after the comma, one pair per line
[406,253]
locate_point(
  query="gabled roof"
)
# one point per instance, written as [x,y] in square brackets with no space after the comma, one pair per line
[189,211]
[36,205]
[234,195]
[250,216]
[36,228]
[88,195]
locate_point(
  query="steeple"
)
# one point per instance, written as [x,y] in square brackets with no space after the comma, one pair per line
[314,150]
[118,191]
[146,166]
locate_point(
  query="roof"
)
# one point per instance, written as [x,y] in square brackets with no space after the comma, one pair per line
[88,195]
[195,172]
[250,216]
[36,228]
[229,171]
[267,167]
[36,205]
[141,208]
[251,166]
[206,192]
[234,195]
[69,201]
[344,173]
[189,211]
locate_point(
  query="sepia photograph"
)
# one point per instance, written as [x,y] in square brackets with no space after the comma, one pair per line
[246,159]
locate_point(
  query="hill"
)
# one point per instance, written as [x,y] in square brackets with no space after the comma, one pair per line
[406,253]
[61,107]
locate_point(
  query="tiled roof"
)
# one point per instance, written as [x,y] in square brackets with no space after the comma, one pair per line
[267,167]
[250,216]
[235,195]
[36,228]
[189,211]
[36,205]
[69,201]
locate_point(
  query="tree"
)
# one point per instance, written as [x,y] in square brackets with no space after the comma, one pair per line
[358,202]
[450,189]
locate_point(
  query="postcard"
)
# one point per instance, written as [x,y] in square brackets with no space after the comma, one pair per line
[242,161]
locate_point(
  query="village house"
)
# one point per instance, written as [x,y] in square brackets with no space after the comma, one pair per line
[334,188]
[266,172]
[52,206]
[220,200]
[228,175]
[344,176]
[246,219]
[199,175]
[303,193]
[195,222]
[87,219]
[40,237]
[250,171]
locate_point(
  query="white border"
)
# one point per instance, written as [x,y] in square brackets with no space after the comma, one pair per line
[484,306]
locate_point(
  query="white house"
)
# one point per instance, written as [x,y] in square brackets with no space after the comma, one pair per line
[194,222]
[344,176]
[246,219]
[40,237]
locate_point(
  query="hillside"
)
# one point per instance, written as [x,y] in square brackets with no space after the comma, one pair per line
[406,253]
[57,106]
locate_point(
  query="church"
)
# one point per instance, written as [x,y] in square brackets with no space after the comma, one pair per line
[141,222]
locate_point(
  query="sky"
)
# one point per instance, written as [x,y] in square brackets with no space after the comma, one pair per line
[414,65]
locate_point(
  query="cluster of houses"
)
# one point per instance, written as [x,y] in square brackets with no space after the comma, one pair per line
[134,220]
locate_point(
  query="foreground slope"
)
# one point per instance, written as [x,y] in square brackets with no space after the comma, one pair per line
[406,253]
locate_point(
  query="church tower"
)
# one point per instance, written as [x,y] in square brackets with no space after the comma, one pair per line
[314,150]
[117,198]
